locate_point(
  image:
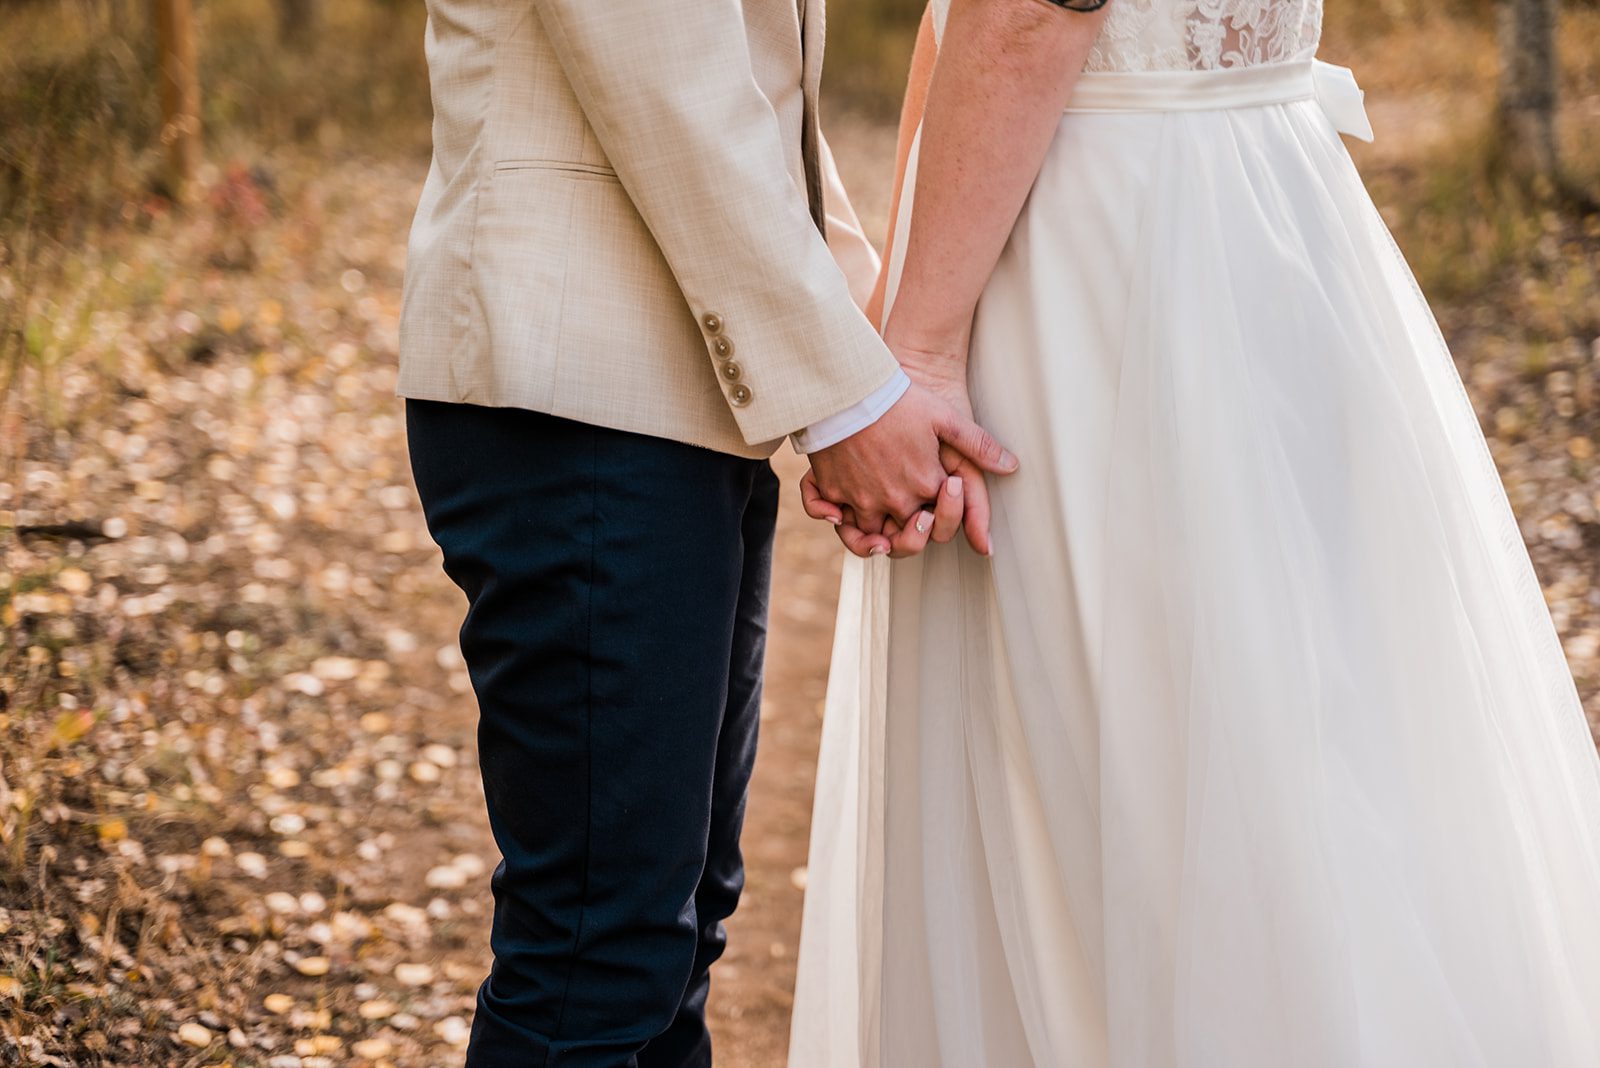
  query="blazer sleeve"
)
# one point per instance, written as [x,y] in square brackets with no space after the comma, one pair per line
[667,87]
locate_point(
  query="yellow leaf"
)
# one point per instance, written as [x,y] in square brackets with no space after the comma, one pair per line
[71,726]
[113,830]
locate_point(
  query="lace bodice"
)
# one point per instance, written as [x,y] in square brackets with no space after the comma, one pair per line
[1144,35]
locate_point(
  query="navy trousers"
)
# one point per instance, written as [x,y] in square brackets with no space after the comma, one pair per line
[617,588]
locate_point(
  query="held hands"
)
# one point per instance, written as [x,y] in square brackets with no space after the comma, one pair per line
[916,474]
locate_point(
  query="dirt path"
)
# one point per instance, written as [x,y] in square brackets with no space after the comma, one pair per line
[240,819]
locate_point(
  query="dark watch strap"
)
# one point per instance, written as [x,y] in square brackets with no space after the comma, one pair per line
[1076,5]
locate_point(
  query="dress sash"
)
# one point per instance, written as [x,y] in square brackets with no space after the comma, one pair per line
[1333,88]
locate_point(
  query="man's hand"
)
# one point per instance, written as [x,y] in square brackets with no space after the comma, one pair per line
[892,475]
[941,523]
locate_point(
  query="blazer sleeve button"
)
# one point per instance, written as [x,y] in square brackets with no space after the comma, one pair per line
[722,347]
[712,322]
[731,371]
[740,395]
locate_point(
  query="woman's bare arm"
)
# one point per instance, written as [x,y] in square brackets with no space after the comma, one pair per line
[1006,70]
[988,111]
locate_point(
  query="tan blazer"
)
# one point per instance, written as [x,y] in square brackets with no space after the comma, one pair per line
[620,225]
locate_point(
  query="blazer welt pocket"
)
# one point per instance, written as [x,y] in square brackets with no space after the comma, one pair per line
[592,171]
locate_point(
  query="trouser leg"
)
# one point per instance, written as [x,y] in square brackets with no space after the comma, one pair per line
[615,585]
[687,1043]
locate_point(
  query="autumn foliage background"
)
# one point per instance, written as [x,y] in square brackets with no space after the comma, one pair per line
[239,818]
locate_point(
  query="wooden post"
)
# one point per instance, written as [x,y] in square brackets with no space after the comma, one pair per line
[1527,104]
[297,22]
[180,92]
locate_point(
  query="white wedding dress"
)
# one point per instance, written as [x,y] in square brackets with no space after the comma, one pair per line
[1253,746]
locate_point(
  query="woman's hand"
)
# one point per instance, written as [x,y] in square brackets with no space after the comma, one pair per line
[941,368]
[963,499]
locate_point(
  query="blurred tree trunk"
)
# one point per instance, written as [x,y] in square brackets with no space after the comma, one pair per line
[180,92]
[1528,78]
[297,21]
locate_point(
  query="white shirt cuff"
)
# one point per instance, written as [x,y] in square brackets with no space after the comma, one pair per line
[854,419]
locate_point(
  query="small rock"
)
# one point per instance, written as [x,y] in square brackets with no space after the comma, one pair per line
[377,1009]
[309,685]
[350,927]
[454,1030]
[441,755]
[372,1049]
[283,778]
[413,974]
[1584,646]
[74,580]
[336,668]
[288,823]
[192,1034]
[446,877]
[281,903]
[469,864]
[406,915]
[376,722]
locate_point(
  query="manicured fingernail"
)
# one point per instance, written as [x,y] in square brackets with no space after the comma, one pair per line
[1007,460]
[835,520]
[923,519]
[876,550]
[955,485]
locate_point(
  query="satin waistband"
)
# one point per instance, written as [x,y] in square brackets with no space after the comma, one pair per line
[1333,88]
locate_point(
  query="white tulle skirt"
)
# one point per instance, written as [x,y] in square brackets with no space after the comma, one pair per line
[1253,746]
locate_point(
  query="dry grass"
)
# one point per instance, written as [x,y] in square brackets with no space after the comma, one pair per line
[80,162]
[228,678]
